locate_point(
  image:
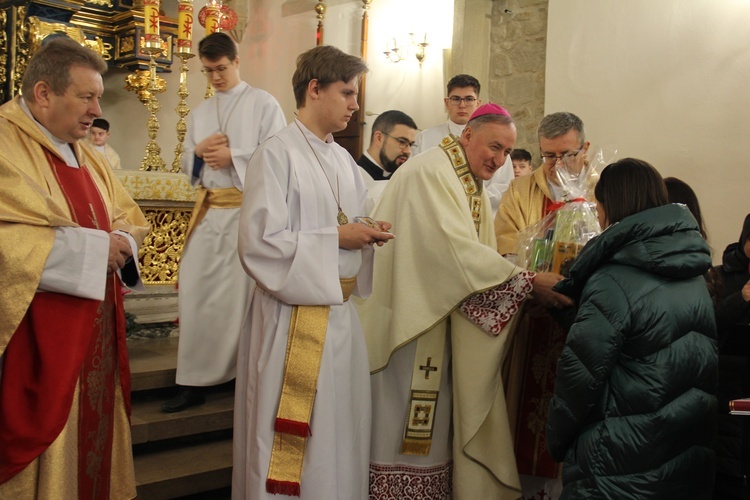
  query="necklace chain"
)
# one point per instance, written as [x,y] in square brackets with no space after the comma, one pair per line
[341,216]
[232,106]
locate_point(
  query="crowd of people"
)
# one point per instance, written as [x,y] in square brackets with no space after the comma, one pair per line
[386,336]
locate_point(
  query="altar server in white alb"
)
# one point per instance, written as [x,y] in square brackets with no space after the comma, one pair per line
[222,135]
[302,403]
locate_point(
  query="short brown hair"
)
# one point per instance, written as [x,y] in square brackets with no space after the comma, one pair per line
[463,81]
[52,63]
[326,64]
[629,186]
[217,45]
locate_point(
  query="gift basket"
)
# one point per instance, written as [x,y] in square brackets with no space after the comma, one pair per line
[552,244]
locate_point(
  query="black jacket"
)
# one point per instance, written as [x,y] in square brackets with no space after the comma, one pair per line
[733,323]
[633,414]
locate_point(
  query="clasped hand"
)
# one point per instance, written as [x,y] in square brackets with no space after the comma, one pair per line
[119,252]
[215,151]
[355,235]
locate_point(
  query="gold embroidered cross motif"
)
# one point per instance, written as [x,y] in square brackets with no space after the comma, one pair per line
[427,369]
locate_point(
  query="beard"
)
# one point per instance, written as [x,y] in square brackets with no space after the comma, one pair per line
[390,165]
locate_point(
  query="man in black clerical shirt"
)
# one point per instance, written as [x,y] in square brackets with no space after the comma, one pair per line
[392,137]
[391,140]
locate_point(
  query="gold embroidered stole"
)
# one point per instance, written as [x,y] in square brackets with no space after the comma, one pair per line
[212,198]
[428,360]
[304,352]
[472,186]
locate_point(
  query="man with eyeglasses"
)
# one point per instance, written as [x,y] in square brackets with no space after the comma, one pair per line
[391,140]
[562,144]
[461,101]
[537,338]
[222,135]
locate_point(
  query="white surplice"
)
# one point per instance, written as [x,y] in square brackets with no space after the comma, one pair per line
[214,289]
[288,243]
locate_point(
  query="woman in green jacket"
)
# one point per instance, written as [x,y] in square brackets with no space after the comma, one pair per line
[634,413]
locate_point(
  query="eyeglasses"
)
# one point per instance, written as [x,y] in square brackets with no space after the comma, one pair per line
[456,100]
[218,70]
[403,142]
[566,159]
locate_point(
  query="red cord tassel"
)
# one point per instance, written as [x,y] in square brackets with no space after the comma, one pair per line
[275,487]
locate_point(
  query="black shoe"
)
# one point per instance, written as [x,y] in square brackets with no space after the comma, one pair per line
[187,397]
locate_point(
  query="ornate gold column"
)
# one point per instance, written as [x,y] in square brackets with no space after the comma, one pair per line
[320,10]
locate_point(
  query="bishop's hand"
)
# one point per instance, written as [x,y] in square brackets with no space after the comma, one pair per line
[543,283]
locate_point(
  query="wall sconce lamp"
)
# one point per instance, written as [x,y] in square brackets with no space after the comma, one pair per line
[394,53]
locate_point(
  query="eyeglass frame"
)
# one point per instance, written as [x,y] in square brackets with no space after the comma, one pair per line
[403,142]
[565,158]
[219,70]
[456,100]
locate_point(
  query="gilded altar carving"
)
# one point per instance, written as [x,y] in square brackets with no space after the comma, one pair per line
[162,248]
[166,200]
[3,52]
[125,45]
[39,30]
[102,3]
[22,49]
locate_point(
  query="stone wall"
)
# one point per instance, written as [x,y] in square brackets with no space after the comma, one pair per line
[518,42]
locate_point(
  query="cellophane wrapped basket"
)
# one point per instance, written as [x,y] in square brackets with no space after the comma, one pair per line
[553,243]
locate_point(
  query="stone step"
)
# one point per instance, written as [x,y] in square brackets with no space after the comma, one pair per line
[149,423]
[153,363]
[187,469]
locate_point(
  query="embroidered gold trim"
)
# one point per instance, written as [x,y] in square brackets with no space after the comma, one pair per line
[307,333]
[472,186]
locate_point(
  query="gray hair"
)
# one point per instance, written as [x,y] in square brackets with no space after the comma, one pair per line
[477,122]
[557,124]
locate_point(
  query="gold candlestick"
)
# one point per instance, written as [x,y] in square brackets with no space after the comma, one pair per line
[152,160]
[182,109]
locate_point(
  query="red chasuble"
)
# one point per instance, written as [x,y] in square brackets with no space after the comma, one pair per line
[63,340]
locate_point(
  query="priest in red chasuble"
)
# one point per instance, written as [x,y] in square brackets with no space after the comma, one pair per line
[437,322]
[69,235]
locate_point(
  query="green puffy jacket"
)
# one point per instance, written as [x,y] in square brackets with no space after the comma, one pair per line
[633,414]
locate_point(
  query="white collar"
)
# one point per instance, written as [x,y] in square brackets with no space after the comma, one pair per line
[64,148]
[377,164]
[455,129]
